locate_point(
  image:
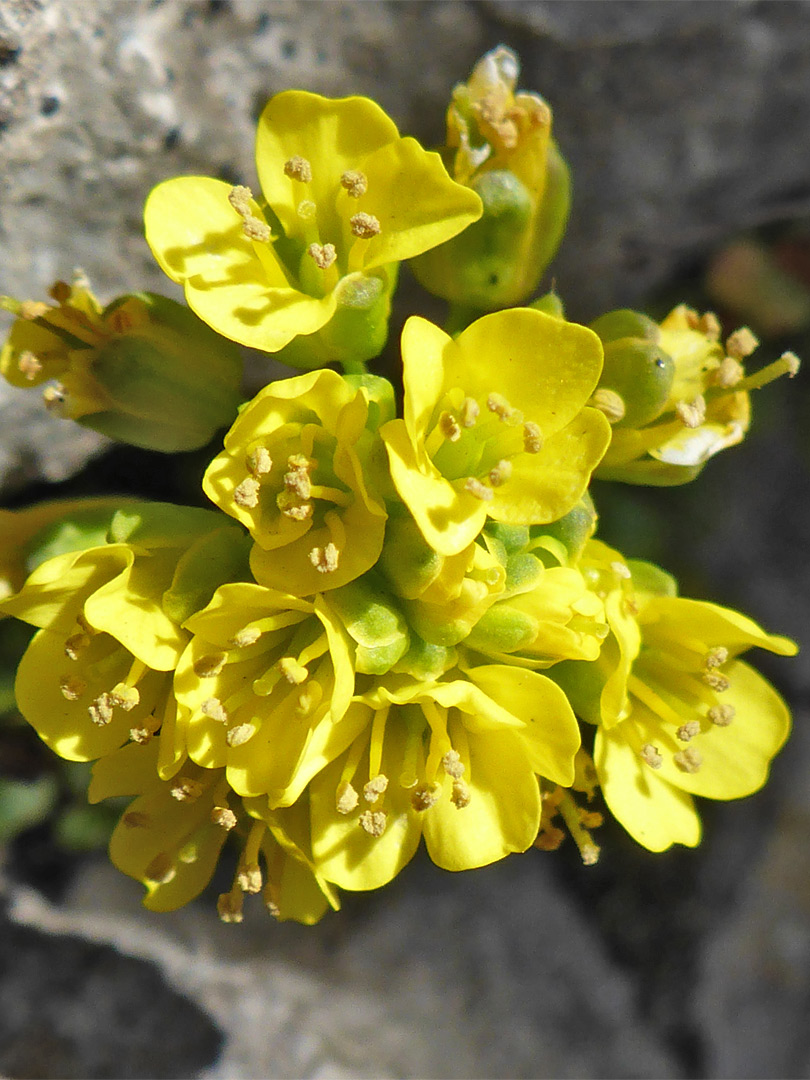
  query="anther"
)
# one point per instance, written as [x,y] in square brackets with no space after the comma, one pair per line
[621,570]
[298,168]
[248,635]
[229,907]
[29,365]
[346,798]
[721,715]
[451,763]
[71,687]
[716,657]
[246,494]
[478,490]
[141,735]
[55,398]
[449,427]
[323,255]
[134,819]
[470,412]
[249,879]
[296,511]
[716,681]
[101,711]
[688,760]
[709,325]
[373,822]
[254,229]
[792,362]
[375,788]
[306,210]
[325,559]
[364,225]
[425,796]
[692,414]
[689,730]
[608,402]
[160,869]
[259,461]
[532,438]
[184,789]
[292,671]
[239,197]
[728,373]
[498,404]
[60,292]
[460,796]
[75,645]
[741,343]
[125,697]
[239,735]
[206,667]
[501,473]
[214,709]
[355,183]
[224,817]
[651,756]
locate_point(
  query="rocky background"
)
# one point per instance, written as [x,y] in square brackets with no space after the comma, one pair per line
[686,125]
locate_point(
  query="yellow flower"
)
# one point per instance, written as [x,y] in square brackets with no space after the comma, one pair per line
[678,713]
[501,147]
[675,395]
[495,424]
[143,370]
[298,472]
[345,198]
[455,761]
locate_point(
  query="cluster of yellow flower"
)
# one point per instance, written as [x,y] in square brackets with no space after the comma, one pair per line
[390,626]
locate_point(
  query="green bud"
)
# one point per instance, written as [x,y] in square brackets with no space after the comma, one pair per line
[425,661]
[502,629]
[550,304]
[407,561]
[373,621]
[625,323]
[574,529]
[641,374]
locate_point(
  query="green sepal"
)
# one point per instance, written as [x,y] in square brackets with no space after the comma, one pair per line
[218,557]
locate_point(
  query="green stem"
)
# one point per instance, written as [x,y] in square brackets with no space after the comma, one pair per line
[354,367]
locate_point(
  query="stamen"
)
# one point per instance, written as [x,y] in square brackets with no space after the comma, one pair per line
[478,490]
[184,789]
[689,730]
[246,494]
[306,210]
[160,869]
[239,197]
[650,756]
[29,365]
[141,735]
[71,687]
[125,697]
[205,667]
[323,255]
[298,168]
[55,399]
[249,878]
[449,427]
[134,819]
[214,709]
[688,760]
[469,412]
[728,374]
[101,711]
[375,788]
[309,699]
[693,414]
[460,796]
[741,343]
[716,681]
[248,635]
[355,183]
[229,906]
[259,461]
[709,325]
[374,822]
[792,364]
[716,657]
[425,796]
[325,559]
[239,735]
[346,798]
[224,817]
[297,480]
[501,473]
[451,763]
[364,225]
[292,671]
[498,404]
[721,715]
[254,229]
[296,511]
[532,438]
[75,645]
[608,402]
[621,570]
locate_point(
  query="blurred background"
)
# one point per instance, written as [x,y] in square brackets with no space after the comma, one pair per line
[687,128]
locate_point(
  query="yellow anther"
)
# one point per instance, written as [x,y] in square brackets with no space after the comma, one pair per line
[29,365]
[255,229]
[71,687]
[650,756]
[214,709]
[75,645]
[688,760]
[590,854]
[375,788]
[205,667]
[141,735]
[135,819]
[621,570]
[125,697]
[160,869]
[291,509]
[306,210]
[355,183]
[460,796]
[259,462]
[709,325]
[55,398]
[239,735]
[532,438]
[298,481]
[721,715]
[792,363]
[716,681]
[249,878]
[608,402]
[741,343]
[239,197]
[101,711]
[470,411]
[323,255]
[501,473]
[184,789]
[229,907]
[449,427]
[716,657]
[498,404]
[246,494]
[373,822]
[425,796]
[325,559]
[364,225]
[451,763]
[298,168]
[728,373]
[478,490]
[224,817]
[692,414]
[346,798]
[248,635]
[292,671]
[689,730]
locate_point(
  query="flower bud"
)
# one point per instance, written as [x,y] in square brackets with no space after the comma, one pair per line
[144,370]
[505,153]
